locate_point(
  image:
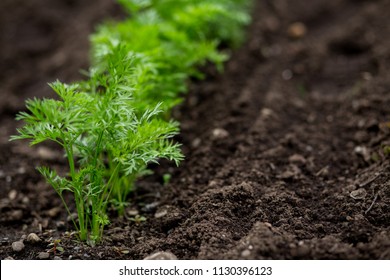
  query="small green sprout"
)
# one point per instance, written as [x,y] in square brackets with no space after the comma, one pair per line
[166,178]
[55,247]
[138,219]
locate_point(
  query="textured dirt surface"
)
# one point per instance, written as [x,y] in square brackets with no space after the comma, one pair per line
[287,151]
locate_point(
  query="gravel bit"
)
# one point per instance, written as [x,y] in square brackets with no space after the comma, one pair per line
[295,158]
[46,153]
[25,200]
[160,213]
[15,215]
[17,246]
[54,212]
[12,194]
[151,206]
[219,133]
[363,152]
[297,30]
[358,194]
[246,253]
[60,225]
[196,143]
[133,212]
[43,255]
[33,238]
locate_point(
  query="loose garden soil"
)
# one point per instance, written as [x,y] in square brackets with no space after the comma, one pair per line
[287,150]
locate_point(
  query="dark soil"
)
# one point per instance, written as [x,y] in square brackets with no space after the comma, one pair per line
[287,151]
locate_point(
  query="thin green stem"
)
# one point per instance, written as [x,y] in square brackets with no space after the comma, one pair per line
[78,194]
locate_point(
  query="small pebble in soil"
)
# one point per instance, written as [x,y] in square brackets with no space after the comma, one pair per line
[364,152]
[15,215]
[17,246]
[46,153]
[296,158]
[150,206]
[266,113]
[196,143]
[133,212]
[43,255]
[297,30]
[25,200]
[60,225]
[358,194]
[53,212]
[160,213]
[213,183]
[246,253]
[12,195]
[161,256]
[21,170]
[359,217]
[9,258]
[219,133]
[309,148]
[33,238]
[57,258]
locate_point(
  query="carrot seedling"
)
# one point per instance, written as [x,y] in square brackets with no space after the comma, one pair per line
[106,144]
[115,123]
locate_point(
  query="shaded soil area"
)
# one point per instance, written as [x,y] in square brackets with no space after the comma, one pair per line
[287,151]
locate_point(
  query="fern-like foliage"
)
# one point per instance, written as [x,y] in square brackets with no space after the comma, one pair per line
[112,125]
